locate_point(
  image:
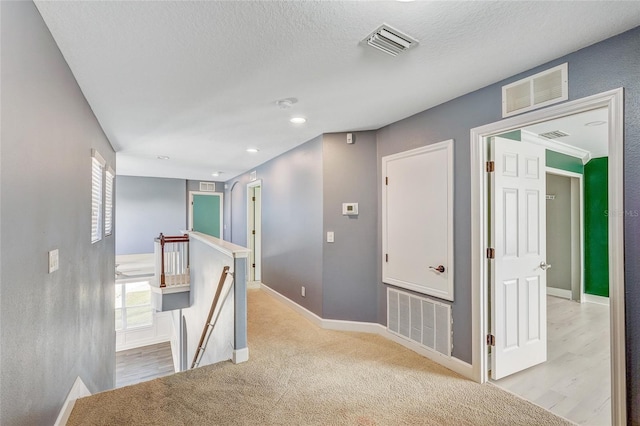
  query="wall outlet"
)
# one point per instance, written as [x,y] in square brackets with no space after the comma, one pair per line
[303,291]
[330,237]
[54,261]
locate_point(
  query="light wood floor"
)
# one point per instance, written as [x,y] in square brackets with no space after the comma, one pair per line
[142,364]
[575,382]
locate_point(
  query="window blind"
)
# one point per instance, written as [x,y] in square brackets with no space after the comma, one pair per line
[97,172]
[108,202]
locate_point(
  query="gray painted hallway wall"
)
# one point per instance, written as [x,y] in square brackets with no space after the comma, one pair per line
[604,66]
[54,327]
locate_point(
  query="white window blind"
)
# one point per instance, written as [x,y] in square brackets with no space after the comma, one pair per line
[108,202]
[97,173]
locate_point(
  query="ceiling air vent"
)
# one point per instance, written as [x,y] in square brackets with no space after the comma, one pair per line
[537,91]
[554,134]
[390,41]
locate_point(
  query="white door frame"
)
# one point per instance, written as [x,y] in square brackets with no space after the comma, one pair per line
[580,214]
[219,194]
[258,261]
[614,101]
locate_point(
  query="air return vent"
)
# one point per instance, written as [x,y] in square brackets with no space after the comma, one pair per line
[554,134]
[537,91]
[207,187]
[390,41]
[420,319]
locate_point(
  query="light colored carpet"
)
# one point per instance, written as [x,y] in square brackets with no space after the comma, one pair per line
[299,374]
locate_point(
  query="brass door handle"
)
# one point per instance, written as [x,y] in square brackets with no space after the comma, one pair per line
[440,268]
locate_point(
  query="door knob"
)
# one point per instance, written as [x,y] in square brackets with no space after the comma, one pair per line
[440,268]
[544,265]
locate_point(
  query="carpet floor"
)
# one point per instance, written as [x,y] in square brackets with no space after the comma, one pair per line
[299,374]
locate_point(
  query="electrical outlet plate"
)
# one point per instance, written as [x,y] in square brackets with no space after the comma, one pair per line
[303,291]
[330,236]
[54,261]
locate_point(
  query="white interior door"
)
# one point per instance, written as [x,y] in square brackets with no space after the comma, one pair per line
[254,230]
[417,220]
[518,277]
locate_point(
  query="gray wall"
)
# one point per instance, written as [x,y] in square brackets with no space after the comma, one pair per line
[54,327]
[291,222]
[604,66]
[145,207]
[559,232]
[349,267]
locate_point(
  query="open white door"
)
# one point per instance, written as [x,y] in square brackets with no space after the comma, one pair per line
[518,277]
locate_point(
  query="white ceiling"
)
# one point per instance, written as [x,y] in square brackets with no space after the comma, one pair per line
[591,138]
[198,81]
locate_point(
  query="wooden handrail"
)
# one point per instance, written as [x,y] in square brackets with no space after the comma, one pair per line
[208,324]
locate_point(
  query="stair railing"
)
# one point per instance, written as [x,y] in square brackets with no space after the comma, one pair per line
[172,260]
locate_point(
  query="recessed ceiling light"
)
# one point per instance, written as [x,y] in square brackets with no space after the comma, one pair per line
[216,174]
[298,120]
[162,157]
[252,150]
[595,123]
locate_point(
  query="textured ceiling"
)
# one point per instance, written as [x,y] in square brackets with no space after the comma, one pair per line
[198,81]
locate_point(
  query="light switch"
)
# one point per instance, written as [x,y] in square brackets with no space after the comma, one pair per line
[330,237]
[54,262]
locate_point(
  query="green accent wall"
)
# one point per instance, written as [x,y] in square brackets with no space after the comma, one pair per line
[206,214]
[564,162]
[515,135]
[596,232]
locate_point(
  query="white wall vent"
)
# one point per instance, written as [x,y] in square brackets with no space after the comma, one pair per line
[420,319]
[207,187]
[537,91]
[389,40]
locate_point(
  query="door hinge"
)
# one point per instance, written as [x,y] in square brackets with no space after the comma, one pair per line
[491,340]
[386,180]
[253,265]
[386,257]
[253,198]
[253,232]
[491,166]
[491,253]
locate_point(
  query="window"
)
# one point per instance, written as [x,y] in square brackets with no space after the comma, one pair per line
[97,172]
[108,202]
[133,305]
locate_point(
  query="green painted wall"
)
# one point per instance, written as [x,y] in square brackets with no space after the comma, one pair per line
[596,232]
[564,162]
[515,135]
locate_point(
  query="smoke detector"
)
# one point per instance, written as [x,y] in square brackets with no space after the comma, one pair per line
[389,40]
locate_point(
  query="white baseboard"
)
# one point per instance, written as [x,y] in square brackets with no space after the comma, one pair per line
[78,390]
[592,298]
[451,363]
[253,284]
[559,292]
[240,355]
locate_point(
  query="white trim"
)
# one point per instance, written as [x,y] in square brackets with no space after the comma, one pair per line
[447,294]
[451,363]
[559,292]
[78,390]
[556,146]
[224,247]
[212,194]
[253,284]
[240,355]
[598,300]
[614,101]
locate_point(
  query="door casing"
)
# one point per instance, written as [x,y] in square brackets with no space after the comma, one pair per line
[614,102]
